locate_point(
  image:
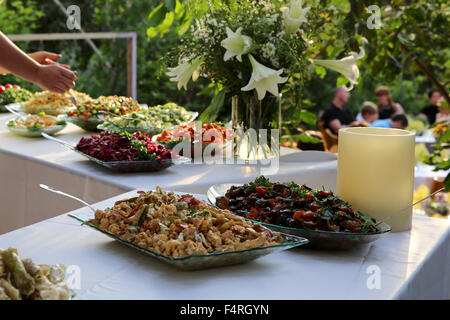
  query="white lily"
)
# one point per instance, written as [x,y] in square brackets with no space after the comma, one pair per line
[264,79]
[183,72]
[294,16]
[236,44]
[346,66]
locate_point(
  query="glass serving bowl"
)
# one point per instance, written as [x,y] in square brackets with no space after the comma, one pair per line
[35,110]
[126,166]
[87,124]
[36,132]
[212,260]
[317,238]
[136,166]
[150,131]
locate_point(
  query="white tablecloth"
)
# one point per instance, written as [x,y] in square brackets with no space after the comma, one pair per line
[411,265]
[27,162]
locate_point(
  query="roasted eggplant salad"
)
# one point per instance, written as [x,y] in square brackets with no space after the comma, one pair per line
[294,206]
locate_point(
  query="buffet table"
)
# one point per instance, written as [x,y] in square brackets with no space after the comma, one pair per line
[27,162]
[410,265]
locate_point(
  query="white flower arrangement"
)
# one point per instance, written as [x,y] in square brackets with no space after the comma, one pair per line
[255,45]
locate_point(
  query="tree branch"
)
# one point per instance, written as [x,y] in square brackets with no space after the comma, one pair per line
[427,72]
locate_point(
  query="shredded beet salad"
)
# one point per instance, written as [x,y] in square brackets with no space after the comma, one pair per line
[108,147]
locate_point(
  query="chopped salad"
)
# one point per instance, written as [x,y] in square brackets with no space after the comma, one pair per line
[53,103]
[111,105]
[40,120]
[180,225]
[208,133]
[157,118]
[294,206]
[108,146]
[14,95]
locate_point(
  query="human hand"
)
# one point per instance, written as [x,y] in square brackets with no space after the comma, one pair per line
[358,124]
[55,78]
[47,58]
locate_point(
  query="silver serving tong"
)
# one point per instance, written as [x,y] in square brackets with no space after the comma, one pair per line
[388,218]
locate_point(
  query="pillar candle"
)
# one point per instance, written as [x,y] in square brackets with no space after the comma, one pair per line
[376,173]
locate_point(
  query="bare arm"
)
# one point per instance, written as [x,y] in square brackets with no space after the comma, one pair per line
[51,77]
[16,61]
[41,57]
[335,125]
[400,109]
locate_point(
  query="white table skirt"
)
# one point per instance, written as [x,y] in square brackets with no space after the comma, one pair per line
[412,265]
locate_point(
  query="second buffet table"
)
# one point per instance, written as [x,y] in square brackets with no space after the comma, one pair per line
[27,162]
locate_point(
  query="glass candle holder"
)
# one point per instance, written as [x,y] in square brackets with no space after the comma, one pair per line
[376,173]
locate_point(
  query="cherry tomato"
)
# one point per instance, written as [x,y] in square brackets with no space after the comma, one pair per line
[309,196]
[2,88]
[16,86]
[298,215]
[8,86]
[261,191]
[324,193]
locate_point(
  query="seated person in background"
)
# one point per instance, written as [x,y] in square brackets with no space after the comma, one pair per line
[397,121]
[336,116]
[444,113]
[432,109]
[386,106]
[369,112]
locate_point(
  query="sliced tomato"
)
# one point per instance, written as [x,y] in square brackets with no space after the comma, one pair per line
[189,200]
[308,215]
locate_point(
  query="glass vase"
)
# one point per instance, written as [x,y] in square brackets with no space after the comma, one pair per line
[256,125]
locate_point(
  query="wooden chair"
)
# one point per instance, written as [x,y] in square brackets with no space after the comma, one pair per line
[330,140]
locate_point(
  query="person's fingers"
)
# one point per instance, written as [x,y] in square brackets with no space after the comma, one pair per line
[51,55]
[49,62]
[67,74]
[65,83]
[57,89]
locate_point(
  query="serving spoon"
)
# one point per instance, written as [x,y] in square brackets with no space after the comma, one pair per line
[15,112]
[74,101]
[404,209]
[45,187]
